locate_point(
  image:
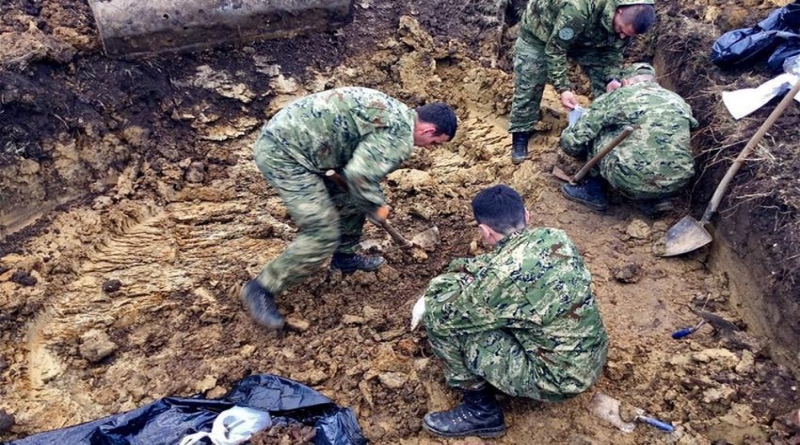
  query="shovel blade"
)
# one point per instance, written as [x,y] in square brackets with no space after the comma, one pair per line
[686,235]
[607,408]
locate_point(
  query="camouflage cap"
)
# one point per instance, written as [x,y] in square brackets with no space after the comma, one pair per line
[639,68]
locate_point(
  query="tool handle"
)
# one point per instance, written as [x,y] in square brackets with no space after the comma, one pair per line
[663,426]
[734,168]
[396,236]
[685,332]
[626,131]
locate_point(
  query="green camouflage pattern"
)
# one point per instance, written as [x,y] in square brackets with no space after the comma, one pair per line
[521,318]
[656,160]
[362,133]
[551,31]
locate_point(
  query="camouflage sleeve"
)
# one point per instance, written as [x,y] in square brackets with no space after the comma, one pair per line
[576,139]
[376,156]
[611,59]
[567,27]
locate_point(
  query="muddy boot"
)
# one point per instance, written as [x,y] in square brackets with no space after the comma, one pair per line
[351,262]
[519,147]
[655,208]
[261,304]
[590,194]
[479,416]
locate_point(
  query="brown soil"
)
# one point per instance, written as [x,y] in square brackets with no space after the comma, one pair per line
[133,211]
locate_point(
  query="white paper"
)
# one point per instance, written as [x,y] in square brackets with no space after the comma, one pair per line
[574,115]
[742,102]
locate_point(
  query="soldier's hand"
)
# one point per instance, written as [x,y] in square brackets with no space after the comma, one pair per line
[568,100]
[613,85]
[382,214]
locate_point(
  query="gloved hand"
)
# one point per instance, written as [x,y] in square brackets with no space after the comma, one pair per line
[382,214]
[417,312]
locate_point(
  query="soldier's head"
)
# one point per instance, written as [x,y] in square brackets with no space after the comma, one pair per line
[436,123]
[638,72]
[499,212]
[632,20]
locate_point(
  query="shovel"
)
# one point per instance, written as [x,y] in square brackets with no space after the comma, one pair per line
[607,408]
[396,236]
[688,234]
[558,173]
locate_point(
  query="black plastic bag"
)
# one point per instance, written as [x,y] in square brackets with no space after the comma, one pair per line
[168,420]
[776,38]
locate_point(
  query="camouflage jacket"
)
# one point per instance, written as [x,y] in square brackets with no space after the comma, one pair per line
[658,147]
[564,25]
[534,285]
[362,133]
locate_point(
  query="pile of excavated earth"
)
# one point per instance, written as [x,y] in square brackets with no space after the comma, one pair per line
[132,211]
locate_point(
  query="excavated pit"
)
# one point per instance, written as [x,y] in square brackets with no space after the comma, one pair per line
[132,210]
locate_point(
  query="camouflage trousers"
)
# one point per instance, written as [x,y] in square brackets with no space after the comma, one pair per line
[634,175]
[495,357]
[327,219]
[530,77]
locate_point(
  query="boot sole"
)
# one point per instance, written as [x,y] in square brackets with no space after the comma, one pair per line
[595,207]
[485,432]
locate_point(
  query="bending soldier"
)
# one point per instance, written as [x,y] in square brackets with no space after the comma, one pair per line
[653,163]
[521,319]
[592,32]
[363,134]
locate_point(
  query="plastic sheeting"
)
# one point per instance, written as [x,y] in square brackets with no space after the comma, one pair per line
[775,38]
[168,420]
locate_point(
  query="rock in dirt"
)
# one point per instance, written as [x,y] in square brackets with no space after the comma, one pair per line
[719,355]
[393,380]
[628,273]
[112,286]
[427,240]
[23,278]
[718,395]
[6,421]
[297,324]
[408,180]
[747,364]
[310,377]
[638,229]
[96,345]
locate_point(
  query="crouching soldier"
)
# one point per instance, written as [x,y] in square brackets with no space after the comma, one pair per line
[653,163]
[521,319]
[361,133]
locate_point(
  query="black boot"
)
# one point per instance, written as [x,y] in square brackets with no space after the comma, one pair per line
[479,416]
[656,208]
[351,262]
[519,146]
[590,194]
[261,304]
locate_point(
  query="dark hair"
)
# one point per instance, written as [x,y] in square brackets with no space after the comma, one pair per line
[640,17]
[441,115]
[499,207]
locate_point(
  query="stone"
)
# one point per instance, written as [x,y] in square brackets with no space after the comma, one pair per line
[23,278]
[96,345]
[353,319]
[723,393]
[297,324]
[747,364]
[407,179]
[111,286]
[638,229]
[628,273]
[427,240]
[393,380]
[722,356]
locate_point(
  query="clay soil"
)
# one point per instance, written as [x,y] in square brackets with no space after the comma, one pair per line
[132,212]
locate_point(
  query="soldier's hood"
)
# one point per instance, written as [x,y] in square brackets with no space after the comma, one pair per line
[611,7]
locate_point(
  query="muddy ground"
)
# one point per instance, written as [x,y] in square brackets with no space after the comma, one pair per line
[132,211]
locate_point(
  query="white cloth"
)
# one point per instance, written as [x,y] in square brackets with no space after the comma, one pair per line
[232,427]
[742,102]
[417,312]
[574,115]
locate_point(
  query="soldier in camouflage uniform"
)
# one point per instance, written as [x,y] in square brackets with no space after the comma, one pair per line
[654,162]
[521,319]
[361,133]
[591,32]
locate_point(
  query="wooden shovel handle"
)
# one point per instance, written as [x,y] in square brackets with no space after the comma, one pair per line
[737,164]
[626,131]
[380,222]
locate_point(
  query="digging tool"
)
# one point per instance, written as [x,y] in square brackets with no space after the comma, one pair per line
[685,332]
[137,27]
[607,408]
[558,173]
[381,222]
[688,234]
